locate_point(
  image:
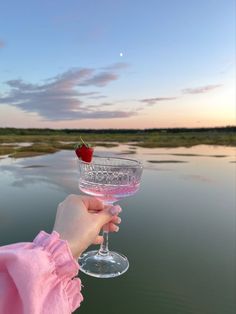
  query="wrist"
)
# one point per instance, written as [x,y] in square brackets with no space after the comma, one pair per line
[58,249]
[75,249]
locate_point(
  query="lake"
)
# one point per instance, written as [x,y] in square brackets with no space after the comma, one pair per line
[178,231]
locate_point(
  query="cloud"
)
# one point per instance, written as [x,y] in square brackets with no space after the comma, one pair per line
[196,90]
[201,89]
[2,44]
[61,98]
[108,74]
[153,101]
[101,79]
[106,104]
[97,97]
[117,66]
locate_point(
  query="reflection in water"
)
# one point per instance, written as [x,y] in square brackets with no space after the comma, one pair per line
[58,169]
[198,178]
[35,166]
[178,231]
[166,161]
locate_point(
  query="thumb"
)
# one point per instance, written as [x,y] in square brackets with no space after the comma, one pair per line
[108,213]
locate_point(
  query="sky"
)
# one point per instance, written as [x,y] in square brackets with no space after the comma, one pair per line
[117,63]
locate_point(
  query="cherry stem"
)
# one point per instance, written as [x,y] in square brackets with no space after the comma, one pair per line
[82,141]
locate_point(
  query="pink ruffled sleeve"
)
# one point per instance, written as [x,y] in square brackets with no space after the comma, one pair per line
[38,277]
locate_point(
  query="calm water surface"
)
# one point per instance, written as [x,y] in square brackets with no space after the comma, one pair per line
[178,231]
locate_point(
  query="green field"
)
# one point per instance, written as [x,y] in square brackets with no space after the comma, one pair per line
[45,141]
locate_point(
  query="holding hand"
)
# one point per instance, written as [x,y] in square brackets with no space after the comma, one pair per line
[79,220]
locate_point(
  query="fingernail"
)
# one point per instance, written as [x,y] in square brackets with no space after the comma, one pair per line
[117,229]
[115,210]
[118,220]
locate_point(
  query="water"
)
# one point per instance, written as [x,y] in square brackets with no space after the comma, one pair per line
[178,231]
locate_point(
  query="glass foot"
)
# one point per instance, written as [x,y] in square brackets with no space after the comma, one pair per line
[103,266]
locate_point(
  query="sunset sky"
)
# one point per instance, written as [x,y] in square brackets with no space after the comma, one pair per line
[117,63]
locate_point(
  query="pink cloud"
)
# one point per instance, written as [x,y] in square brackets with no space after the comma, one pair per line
[153,101]
[201,89]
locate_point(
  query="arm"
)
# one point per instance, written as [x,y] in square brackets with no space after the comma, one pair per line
[38,277]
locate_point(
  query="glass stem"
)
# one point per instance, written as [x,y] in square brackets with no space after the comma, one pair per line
[104,246]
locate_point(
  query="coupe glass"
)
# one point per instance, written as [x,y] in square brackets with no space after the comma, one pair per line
[109,179]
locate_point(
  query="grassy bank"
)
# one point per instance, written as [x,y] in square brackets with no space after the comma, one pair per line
[44,141]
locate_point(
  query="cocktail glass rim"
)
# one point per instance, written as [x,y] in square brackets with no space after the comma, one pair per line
[137,163]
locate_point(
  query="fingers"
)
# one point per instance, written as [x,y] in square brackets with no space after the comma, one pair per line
[98,240]
[113,227]
[92,203]
[110,227]
[116,220]
[115,210]
[106,215]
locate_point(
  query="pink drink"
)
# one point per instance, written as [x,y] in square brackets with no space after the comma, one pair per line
[108,193]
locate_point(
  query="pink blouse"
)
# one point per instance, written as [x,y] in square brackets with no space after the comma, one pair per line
[38,277]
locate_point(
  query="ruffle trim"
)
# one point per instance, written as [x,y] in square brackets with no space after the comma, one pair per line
[66,266]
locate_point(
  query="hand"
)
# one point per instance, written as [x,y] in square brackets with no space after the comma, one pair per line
[79,220]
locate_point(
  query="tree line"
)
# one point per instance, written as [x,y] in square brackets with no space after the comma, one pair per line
[47,131]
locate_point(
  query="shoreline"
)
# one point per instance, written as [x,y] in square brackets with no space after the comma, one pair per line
[19,143]
[39,149]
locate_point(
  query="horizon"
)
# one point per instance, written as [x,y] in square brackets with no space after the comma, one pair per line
[144,65]
[125,129]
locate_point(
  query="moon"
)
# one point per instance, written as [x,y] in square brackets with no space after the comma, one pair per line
[121,54]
